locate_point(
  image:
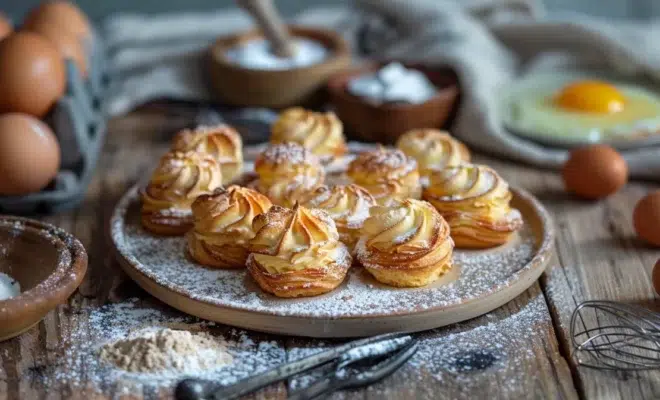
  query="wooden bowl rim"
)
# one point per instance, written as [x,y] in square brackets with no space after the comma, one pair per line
[337,86]
[57,286]
[338,46]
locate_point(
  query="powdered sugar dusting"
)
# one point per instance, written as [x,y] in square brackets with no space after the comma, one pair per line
[466,356]
[163,261]
[290,153]
[463,353]
[393,161]
[81,365]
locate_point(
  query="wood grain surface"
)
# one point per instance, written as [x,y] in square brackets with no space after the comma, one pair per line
[597,257]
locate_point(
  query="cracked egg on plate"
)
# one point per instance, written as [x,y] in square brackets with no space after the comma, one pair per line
[570,109]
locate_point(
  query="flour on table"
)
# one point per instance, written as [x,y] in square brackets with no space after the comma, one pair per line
[101,356]
[153,350]
[462,353]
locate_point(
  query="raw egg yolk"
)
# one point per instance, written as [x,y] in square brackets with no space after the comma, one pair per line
[590,96]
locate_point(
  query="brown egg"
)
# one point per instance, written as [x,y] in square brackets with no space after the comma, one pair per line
[32,74]
[67,43]
[646,218]
[29,154]
[595,171]
[655,277]
[5,26]
[62,14]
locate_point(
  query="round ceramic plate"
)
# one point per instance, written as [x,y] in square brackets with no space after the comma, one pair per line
[479,282]
[636,135]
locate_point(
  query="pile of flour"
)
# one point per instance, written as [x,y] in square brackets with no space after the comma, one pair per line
[155,350]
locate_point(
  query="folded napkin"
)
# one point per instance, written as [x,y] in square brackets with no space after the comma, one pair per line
[488,42]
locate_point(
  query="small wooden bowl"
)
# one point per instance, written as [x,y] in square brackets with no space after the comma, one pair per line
[240,86]
[48,263]
[386,122]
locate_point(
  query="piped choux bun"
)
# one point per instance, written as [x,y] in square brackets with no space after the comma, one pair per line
[474,200]
[287,172]
[406,244]
[220,141]
[388,174]
[175,184]
[223,226]
[347,205]
[321,133]
[296,252]
[433,149]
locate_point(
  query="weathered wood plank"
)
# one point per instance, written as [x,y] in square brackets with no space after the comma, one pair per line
[599,257]
[509,353]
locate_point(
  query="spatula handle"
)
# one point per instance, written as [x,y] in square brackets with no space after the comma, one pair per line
[271,24]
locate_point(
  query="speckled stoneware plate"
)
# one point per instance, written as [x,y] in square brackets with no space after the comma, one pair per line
[479,282]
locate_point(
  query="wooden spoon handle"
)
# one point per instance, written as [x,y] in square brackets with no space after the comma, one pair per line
[271,24]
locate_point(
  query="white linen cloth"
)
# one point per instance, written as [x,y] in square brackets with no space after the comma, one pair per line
[488,42]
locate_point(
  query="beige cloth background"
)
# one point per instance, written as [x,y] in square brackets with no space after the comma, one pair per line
[489,43]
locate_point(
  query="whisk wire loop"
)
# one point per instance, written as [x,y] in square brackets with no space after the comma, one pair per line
[608,335]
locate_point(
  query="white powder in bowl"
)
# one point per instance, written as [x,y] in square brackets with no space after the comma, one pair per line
[257,54]
[9,287]
[393,83]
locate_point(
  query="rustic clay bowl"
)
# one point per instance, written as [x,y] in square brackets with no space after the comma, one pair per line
[239,86]
[386,122]
[49,264]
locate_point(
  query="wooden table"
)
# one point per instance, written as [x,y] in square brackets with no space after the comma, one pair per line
[597,257]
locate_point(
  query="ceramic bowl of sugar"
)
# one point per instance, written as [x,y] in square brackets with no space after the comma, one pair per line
[380,101]
[245,72]
[40,267]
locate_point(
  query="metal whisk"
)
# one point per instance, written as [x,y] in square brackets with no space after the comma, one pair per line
[607,335]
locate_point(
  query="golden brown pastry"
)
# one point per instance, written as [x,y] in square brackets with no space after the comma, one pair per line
[388,174]
[406,244]
[433,149]
[296,252]
[287,172]
[177,181]
[474,200]
[347,205]
[322,133]
[223,226]
[221,141]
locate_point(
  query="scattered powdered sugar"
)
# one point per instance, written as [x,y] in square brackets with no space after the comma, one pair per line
[394,161]
[324,217]
[163,260]
[289,153]
[453,197]
[360,214]
[465,351]
[225,356]
[467,356]
[497,344]
[175,212]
